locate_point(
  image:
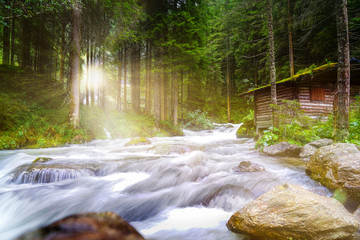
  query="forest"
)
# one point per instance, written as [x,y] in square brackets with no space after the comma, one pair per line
[71,68]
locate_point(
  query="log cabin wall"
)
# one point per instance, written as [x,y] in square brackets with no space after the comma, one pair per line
[263,111]
[319,106]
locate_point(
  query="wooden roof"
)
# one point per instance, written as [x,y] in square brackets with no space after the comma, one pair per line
[298,77]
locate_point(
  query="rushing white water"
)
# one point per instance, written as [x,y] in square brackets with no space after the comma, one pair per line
[174,188]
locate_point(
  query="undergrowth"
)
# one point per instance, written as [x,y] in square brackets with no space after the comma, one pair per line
[297,128]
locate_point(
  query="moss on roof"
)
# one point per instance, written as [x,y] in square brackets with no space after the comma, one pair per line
[310,71]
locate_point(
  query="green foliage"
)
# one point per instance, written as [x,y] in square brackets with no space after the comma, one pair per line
[295,127]
[269,137]
[169,127]
[198,120]
[354,126]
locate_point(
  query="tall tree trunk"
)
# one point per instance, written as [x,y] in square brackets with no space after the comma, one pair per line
[92,68]
[26,42]
[165,93]
[228,89]
[182,94]
[119,79]
[41,48]
[147,77]
[135,77]
[12,48]
[175,99]
[103,87]
[343,73]
[75,66]
[162,94]
[291,53]
[125,77]
[6,40]
[62,53]
[87,69]
[157,85]
[272,63]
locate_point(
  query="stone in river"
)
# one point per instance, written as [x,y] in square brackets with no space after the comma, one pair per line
[89,226]
[291,212]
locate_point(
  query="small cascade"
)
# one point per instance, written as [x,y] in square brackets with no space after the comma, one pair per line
[49,174]
[107,133]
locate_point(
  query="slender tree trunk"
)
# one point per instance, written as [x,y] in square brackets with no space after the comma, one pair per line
[125,77]
[176,99]
[26,42]
[41,50]
[157,85]
[92,67]
[272,62]
[87,69]
[149,79]
[135,77]
[162,94]
[228,89]
[119,79]
[6,40]
[103,87]
[182,94]
[98,83]
[12,48]
[62,53]
[291,53]
[75,66]
[165,94]
[343,73]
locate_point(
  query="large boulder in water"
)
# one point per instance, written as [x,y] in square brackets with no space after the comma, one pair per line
[337,166]
[291,212]
[309,149]
[283,149]
[94,226]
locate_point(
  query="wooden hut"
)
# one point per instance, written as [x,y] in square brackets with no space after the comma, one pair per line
[314,89]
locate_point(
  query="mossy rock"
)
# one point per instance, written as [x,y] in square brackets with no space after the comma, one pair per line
[246,130]
[138,142]
[42,160]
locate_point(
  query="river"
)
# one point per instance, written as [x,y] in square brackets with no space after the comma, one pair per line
[174,188]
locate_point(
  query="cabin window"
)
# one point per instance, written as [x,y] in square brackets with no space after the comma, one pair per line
[317,94]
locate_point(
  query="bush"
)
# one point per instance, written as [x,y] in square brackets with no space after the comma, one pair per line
[269,137]
[354,126]
[198,120]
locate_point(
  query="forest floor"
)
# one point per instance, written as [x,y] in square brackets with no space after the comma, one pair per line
[34,112]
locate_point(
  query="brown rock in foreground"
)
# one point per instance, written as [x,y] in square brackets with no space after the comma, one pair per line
[337,166]
[291,212]
[90,226]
